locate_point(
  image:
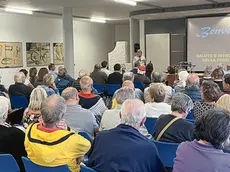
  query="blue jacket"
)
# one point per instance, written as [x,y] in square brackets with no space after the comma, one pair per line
[63,82]
[124,149]
[194,93]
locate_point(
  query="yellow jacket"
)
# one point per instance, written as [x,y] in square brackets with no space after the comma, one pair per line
[55,148]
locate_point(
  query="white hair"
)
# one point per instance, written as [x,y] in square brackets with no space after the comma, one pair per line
[19,77]
[4,108]
[183,76]
[133,112]
[37,96]
[86,82]
[69,93]
[128,76]
[123,94]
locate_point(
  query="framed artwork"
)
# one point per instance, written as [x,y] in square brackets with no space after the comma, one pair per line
[58,53]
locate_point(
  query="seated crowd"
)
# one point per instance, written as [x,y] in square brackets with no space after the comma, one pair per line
[194,114]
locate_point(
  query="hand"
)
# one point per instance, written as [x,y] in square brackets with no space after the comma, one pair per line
[80,160]
[53,85]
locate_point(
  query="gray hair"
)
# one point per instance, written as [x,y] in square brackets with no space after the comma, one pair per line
[19,77]
[37,96]
[53,109]
[133,112]
[193,80]
[157,92]
[123,94]
[86,82]
[62,72]
[208,69]
[128,76]
[69,93]
[48,79]
[4,108]
[181,103]
[157,77]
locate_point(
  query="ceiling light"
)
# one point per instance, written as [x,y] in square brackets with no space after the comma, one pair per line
[127,2]
[16,10]
[98,20]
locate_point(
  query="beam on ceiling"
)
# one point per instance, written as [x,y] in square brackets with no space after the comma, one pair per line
[149,5]
[212,1]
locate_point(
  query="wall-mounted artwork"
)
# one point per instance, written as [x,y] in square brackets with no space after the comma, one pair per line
[38,54]
[58,51]
[11,54]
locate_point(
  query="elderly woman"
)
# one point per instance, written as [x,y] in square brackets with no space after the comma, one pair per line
[174,126]
[49,85]
[205,154]
[67,146]
[19,88]
[224,102]
[180,86]
[157,107]
[210,93]
[63,80]
[159,78]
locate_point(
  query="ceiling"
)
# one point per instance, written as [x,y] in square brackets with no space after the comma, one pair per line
[107,9]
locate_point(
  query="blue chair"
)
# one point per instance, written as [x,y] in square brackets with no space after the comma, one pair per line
[18,102]
[190,116]
[30,166]
[150,124]
[140,85]
[100,88]
[111,89]
[167,152]
[86,169]
[8,163]
[86,136]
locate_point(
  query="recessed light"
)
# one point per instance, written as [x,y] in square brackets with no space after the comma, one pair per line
[16,10]
[127,2]
[98,20]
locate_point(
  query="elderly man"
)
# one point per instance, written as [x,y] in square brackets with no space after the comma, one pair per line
[173,127]
[124,148]
[98,76]
[111,118]
[89,100]
[76,117]
[19,88]
[192,88]
[157,107]
[46,145]
[76,83]
[139,58]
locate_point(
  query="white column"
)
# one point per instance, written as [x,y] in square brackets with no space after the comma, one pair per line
[142,36]
[131,39]
[67,21]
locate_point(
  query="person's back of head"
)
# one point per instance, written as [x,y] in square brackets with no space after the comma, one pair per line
[53,110]
[48,79]
[24,71]
[129,84]
[117,67]
[157,92]
[97,67]
[104,64]
[214,128]
[149,68]
[4,108]
[19,78]
[210,91]
[208,70]
[38,95]
[123,94]
[128,76]
[42,72]
[227,82]
[136,64]
[82,73]
[86,83]
[218,74]
[62,72]
[70,93]
[193,80]
[157,77]
[33,72]
[224,102]
[51,67]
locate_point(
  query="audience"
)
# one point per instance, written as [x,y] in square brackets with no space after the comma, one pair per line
[135,68]
[76,83]
[157,107]
[49,86]
[62,81]
[226,85]
[111,118]
[180,86]
[77,118]
[27,81]
[104,67]
[149,70]
[116,77]
[224,102]
[19,88]
[3,90]
[173,127]
[138,93]
[33,75]
[218,75]
[98,76]
[41,74]
[207,74]
[141,77]
[52,69]
[192,88]
[227,71]
[124,148]
[210,93]
[206,153]
[89,100]
[159,78]
[67,146]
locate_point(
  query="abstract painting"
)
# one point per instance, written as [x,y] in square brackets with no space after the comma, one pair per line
[38,54]
[11,54]
[58,51]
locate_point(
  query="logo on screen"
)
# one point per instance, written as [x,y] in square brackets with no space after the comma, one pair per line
[208,31]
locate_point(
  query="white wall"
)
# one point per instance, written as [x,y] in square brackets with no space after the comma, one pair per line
[92,41]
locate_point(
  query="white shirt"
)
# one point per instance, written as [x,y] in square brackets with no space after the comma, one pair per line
[154,110]
[141,59]
[106,71]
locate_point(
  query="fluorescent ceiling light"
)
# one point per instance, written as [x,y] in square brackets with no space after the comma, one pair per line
[127,2]
[98,20]
[16,10]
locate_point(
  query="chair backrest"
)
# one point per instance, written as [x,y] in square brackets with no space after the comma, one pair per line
[139,84]
[100,88]
[30,166]
[167,152]
[86,136]
[8,163]
[18,102]
[87,169]
[111,89]
[150,124]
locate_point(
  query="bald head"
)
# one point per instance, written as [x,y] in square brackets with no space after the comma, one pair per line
[70,93]
[193,80]
[133,113]
[128,84]
[86,83]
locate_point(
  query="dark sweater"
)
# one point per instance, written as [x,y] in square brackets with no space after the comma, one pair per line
[115,78]
[19,89]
